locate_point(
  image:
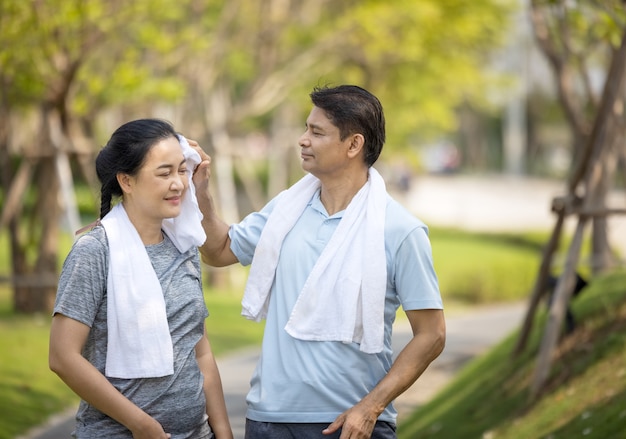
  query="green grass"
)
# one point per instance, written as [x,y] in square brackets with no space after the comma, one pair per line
[227,329]
[585,395]
[29,390]
[480,268]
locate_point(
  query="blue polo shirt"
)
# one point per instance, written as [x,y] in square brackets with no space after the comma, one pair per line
[315,381]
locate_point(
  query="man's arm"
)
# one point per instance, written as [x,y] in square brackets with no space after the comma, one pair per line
[216,249]
[429,334]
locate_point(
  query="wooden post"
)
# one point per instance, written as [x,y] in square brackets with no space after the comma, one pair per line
[557,311]
[540,284]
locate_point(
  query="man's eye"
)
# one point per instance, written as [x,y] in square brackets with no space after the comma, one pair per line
[182,171]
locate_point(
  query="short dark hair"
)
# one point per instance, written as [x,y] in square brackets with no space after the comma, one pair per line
[354,110]
[126,152]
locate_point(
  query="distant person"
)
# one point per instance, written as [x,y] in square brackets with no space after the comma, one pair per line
[128,333]
[333,257]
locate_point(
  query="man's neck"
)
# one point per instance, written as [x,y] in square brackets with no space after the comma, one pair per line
[336,194]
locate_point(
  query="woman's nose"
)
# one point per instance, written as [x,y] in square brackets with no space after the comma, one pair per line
[179,182]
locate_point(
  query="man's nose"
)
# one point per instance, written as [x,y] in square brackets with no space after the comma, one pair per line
[303,140]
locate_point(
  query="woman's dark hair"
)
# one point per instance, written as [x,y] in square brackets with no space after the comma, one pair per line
[354,110]
[126,152]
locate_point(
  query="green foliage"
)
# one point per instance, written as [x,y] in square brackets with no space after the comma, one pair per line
[424,62]
[585,395]
[100,52]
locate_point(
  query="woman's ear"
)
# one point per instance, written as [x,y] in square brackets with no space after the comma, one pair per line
[124,180]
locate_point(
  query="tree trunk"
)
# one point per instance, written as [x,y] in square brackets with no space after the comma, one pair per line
[43,291]
[222,164]
[283,142]
[35,289]
[222,171]
[601,255]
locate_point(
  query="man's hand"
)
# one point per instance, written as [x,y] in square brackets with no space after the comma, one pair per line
[202,172]
[355,423]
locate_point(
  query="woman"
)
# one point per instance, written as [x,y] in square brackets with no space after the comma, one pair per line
[127,332]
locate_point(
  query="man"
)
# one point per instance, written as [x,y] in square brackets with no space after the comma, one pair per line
[333,257]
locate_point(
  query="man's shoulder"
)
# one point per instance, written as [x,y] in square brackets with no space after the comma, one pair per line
[397,216]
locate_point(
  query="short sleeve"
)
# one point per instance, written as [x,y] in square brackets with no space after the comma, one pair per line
[416,281]
[245,235]
[82,283]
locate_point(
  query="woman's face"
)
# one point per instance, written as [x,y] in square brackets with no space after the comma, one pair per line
[157,191]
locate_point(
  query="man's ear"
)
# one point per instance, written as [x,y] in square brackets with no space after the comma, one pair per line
[124,180]
[356,144]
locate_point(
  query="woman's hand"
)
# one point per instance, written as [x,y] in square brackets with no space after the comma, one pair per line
[150,429]
[67,339]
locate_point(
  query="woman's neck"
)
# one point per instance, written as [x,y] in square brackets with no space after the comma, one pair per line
[149,230]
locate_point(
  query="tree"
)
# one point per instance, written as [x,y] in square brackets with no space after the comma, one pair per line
[568,33]
[579,39]
[219,70]
[50,43]
[423,59]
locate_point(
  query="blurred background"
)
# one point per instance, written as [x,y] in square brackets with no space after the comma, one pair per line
[503,116]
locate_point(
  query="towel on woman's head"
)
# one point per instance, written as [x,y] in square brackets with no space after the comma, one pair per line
[343,299]
[186,230]
[139,340]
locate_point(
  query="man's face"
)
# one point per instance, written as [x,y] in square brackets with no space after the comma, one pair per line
[321,149]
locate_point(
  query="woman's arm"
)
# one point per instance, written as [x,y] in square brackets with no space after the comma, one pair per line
[67,338]
[214,394]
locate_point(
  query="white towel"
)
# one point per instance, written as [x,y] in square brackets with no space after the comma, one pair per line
[343,298]
[139,340]
[186,230]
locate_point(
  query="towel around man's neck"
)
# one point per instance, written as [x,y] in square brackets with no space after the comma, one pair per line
[343,297]
[139,341]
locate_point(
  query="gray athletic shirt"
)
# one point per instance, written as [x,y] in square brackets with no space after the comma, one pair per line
[176,401]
